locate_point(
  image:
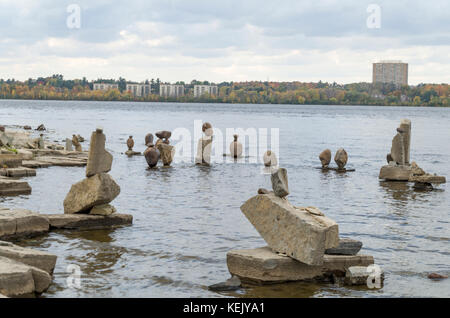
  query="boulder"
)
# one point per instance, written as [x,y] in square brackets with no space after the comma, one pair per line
[42,260]
[341,158]
[99,160]
[18,279]
[290,230]
[163,134]
[96,190]
[152,155]
[87,221]
[21,223]
[346,247]
[167,152]
[395,173]
[325,158]
[105,209]
[280,183]
[264,266]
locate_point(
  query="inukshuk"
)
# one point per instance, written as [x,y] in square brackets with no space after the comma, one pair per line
[94,193]
[400,168]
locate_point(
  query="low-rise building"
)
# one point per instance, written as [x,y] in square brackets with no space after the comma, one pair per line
[169,90]
[139,90]
[200,90]
[105,86]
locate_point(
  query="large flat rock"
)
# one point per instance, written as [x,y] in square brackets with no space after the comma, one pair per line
[21,223]
[18,279]
[263,266]
[395,173]
[17,172]
[35,258]
[346,247]
[291,230]
[87,221]
[12,187]
[428,178]
[34,164]
[10,160]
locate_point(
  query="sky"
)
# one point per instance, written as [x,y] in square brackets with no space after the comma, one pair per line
[229,40]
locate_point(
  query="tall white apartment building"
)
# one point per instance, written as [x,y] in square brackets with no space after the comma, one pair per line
[139,90]
[199,90]
[105,86]
[169,90]
[395,72]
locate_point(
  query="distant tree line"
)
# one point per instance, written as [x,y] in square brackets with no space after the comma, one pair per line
[57,88]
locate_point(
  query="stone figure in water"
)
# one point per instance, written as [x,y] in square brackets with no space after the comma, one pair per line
[130,143]
[76,143]
[151,154]
[41,143]
[400,150]
[341,158]
[204,146]
[325,158]
[69,146]
[270,159]
[236,147]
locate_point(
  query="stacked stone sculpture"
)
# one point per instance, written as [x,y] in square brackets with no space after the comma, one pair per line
[93,194]
[167,151]
[399,167]
[151,154]
[270,159]
[236,147]
[204,146]
[76,143]
[303,244]
[69,145]
[130,145]
[341,159]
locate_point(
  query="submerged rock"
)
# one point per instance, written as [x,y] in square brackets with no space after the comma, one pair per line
[437,276]
[234,283]
[87,221]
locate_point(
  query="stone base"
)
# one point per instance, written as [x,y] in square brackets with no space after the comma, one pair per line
[395,173]
[21,223]
[86,221]
[131,153]
[11,187]
[17,172]
[34,164]
[346,247]
[428,178]
[263,266]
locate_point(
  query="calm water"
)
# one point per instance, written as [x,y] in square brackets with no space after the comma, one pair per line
[186,218]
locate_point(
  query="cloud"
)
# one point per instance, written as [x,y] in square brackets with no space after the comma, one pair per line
[223,40]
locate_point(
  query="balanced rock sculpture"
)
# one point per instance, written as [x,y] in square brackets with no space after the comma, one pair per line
[236,147]
[69,145]
[130,145]
[167,152]
[76,143]
[204,146]
[270,159]
[341,159]
[151,154]
[325,158]
[99,188]
[280,183]
[399,167]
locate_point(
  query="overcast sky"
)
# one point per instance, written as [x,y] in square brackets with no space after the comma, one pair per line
[228,40]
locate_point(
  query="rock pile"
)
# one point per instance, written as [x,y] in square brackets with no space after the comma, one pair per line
[99,188]
[303,244]
[399,167]
[76,143]
[130,145]
[167,152]
[151,154]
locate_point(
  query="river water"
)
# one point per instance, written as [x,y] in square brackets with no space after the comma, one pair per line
[186,217]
